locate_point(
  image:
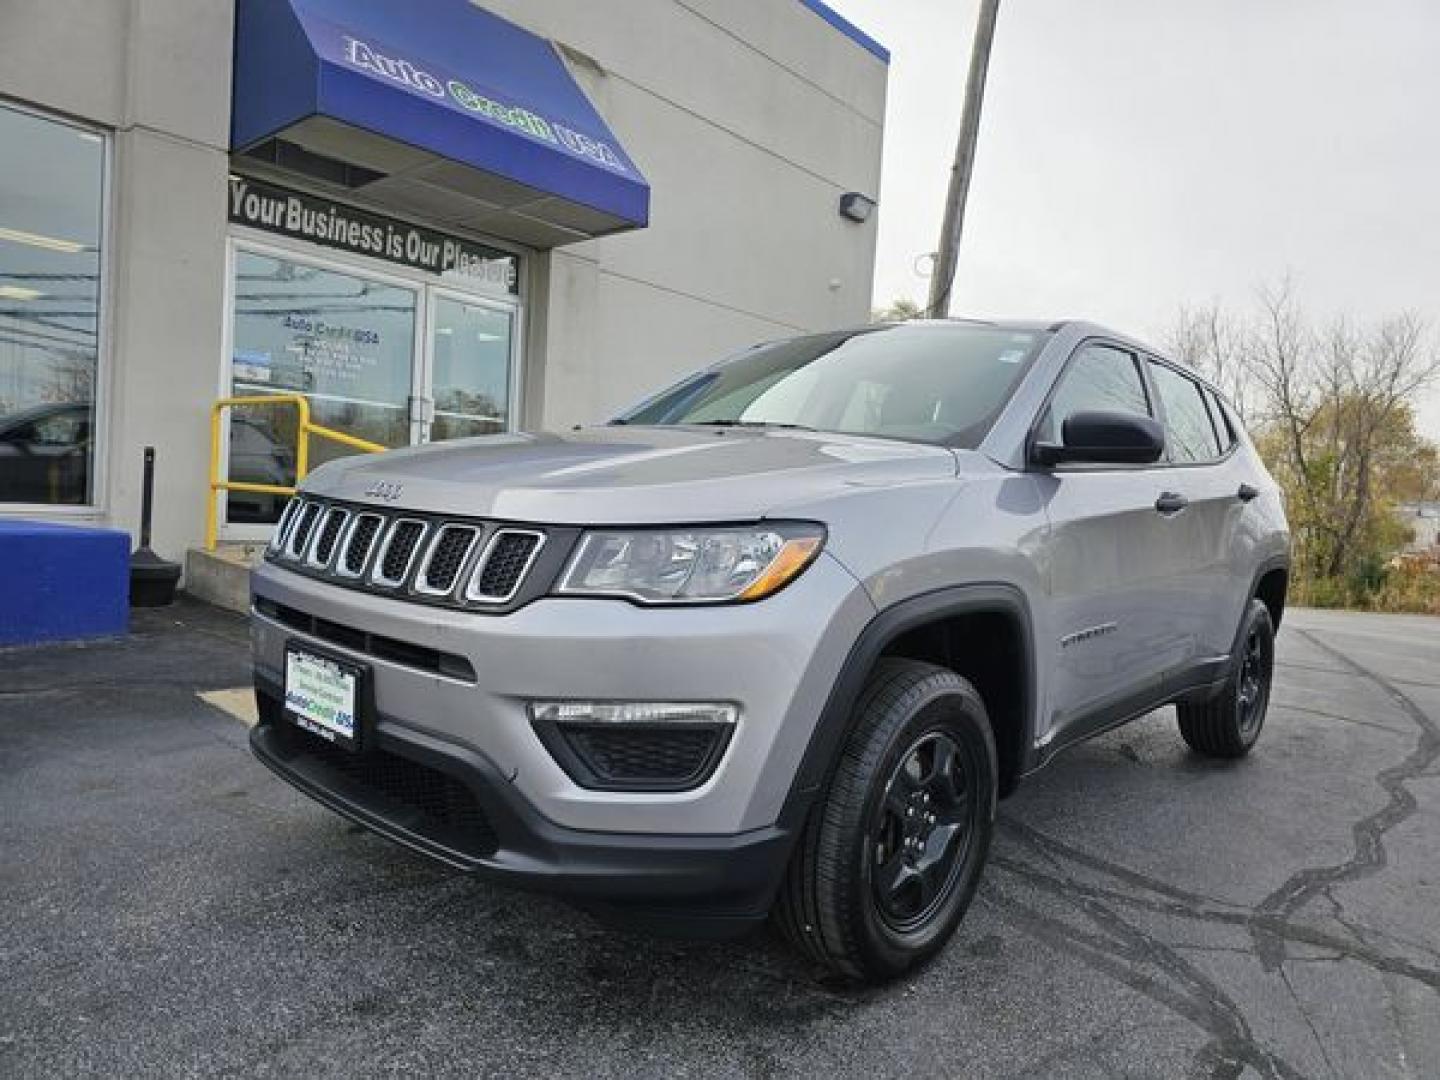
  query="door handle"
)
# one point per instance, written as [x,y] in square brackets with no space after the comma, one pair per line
[1246,493]
[1171,502]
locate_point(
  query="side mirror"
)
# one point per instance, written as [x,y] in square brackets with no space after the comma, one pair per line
[1104,438]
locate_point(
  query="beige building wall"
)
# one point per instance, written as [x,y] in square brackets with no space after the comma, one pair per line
[156,74]
[749,120]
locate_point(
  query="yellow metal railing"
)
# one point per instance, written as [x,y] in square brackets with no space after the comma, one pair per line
[305,429]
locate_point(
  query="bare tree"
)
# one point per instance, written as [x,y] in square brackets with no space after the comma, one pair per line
[1214,343]
[1331,409]
[1368,379]
[1280,346]
[900,310]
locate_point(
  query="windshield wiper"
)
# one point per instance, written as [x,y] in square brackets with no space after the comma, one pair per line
[751,424]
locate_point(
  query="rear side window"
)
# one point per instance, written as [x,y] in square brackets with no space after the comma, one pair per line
[1099,378]
[1189,434]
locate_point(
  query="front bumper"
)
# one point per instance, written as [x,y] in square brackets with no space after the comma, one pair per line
[706,884]
[451,690]
[777,661]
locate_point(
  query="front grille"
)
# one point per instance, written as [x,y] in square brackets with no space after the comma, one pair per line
[300,533]
[405,653]
[335,520]
[362,539]
[282,528]
[439,806]
[399,551]
[447,555]
[508,556]
[418,556]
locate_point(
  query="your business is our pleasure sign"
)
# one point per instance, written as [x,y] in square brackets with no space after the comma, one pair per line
[346,228]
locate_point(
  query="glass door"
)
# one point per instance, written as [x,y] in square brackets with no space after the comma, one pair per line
[472,366]
[346,341]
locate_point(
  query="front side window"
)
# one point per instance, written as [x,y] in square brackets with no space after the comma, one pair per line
[1189,434]
[935,383]
[1099,378]
[52,178]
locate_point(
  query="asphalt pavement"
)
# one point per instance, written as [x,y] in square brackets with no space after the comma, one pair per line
[167,907]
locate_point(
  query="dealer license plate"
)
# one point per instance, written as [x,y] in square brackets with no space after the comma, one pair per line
[322,695]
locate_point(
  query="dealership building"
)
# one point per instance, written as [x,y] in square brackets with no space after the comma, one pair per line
[431,219]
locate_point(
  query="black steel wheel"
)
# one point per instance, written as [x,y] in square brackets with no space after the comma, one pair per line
[1229,724]
[922,829]
[893,851]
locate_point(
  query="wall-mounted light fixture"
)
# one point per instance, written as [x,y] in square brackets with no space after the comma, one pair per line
[856,207]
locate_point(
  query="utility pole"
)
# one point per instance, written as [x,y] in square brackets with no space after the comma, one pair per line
[949,250]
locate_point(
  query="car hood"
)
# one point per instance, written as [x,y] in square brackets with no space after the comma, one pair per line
[630,475]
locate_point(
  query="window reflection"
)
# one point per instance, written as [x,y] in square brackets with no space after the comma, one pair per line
[472,369]
[51,193]
[344,341]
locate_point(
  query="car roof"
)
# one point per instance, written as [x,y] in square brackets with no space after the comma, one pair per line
[1077,328]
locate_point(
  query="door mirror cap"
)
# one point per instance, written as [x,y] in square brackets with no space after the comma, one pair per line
[1104,438]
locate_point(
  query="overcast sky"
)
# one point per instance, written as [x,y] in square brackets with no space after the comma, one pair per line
[1139,154]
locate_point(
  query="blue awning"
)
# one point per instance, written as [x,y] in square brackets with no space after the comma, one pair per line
[440,107]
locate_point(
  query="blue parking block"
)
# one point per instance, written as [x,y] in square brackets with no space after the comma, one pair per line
[62,582]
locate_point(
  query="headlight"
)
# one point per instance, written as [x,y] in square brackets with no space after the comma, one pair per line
[691,566]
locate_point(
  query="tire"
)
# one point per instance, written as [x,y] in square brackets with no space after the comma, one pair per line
[893,850]
[1228,725]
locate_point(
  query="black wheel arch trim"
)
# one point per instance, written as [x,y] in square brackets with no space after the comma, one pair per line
[1269,566]
[827,738]
[1275,562]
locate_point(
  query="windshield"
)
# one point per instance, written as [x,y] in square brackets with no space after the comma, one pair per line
[940,383]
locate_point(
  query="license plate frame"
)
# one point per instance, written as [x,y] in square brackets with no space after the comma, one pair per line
[318,685]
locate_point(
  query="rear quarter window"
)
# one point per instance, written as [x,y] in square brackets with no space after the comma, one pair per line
[1224,430]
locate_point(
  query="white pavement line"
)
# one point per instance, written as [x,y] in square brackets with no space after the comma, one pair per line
[239,703]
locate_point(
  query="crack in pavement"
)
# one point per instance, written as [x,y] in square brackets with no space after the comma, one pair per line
[1371,724]
[1369,855]
[1309,1023]
[1146,965]
[1139,960]
[1194,907]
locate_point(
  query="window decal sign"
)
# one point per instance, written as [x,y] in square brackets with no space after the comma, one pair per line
[335,225]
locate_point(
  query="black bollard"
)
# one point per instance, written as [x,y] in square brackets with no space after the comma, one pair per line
[152,579]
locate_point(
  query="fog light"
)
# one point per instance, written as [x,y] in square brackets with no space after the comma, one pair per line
[635,745]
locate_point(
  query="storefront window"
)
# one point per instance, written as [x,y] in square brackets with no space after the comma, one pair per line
[51,214]
[471,380]
[345,341]
[390,354]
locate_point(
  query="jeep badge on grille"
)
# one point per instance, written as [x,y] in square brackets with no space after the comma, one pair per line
[384,489]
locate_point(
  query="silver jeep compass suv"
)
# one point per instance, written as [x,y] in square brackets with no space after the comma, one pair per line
[776,640]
